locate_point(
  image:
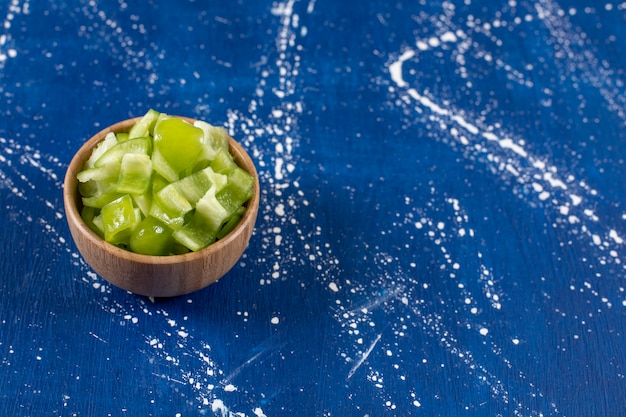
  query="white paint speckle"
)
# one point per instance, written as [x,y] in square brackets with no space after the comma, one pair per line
[576,200]
[448,37]
[258,412]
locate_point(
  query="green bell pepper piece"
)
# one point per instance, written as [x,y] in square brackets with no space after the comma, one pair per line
[195,235]
[179,143]
[107,143]
[237,191]
[122,137]
[113,156]
[172,201]
[223,162]
[151,237]
[211,211]
[120,219]
[101,200]
[145,125]
[231,222]
[173,222]
[194,186]
[214,139]
[135,174]
[89,214]
[143,201]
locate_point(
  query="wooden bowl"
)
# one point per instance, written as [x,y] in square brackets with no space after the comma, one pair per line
[156,276]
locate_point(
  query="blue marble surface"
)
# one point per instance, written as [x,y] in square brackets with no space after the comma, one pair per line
[442,218]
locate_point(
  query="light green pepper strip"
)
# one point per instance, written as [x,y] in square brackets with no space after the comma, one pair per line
[119,218]
[211,211]
[107,143]
[195,235]
[194,186]
[122,137]
[215,138]
[93,188]
[89,214]
[237,191]
[174,223]
[114,155]
[158,182]
[143,201]
[151,237]
[135,174]
[145,125]
[232,221]
[100,200]
[163,168]
[99,224]
[218,180]
[203,227]
[223,162]
[178,142]
[101,173]
[172,202]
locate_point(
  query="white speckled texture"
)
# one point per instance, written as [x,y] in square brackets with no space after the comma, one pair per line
[442,221]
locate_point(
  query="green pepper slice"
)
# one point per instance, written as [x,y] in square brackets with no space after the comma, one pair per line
[119,218]
[151,237]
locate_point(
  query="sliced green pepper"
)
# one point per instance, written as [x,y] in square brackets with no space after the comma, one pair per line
[101,200]
[172,201]
[231,222]
[237,191]
[211,211]
[107,143]
[151,237]
[135,174]
[165,187]
[113,156]
[163,167]
[178,142]
[195,235]
[223,162]
[143,201]
[145,125]
[173,222]
[100,173]
[214,139]
[89,214]
[194,186]
[119,218]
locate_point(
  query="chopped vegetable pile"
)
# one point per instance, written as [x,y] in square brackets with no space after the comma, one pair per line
[166,187]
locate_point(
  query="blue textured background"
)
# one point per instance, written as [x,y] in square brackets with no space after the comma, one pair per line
[442,218]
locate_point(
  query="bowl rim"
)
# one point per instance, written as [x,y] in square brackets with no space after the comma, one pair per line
[71,196]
